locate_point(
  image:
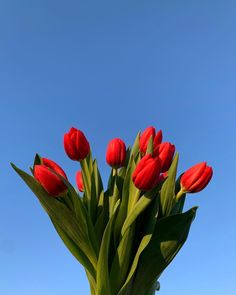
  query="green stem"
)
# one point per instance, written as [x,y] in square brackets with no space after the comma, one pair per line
[92,283]
[133,200]
[114,171]
[115,193]
[180,194]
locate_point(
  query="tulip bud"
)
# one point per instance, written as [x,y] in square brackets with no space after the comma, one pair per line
[196,178]
[79,181]
[147,173]
[165,151]
[44,173]
[145,137]
[76,145]
[116,153]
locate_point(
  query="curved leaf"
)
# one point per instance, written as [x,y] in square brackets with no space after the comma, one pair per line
[121,261]
[103,284]
[75,250]
[169,236]
[143,244]
[167,198]
[139,207]
[75,228]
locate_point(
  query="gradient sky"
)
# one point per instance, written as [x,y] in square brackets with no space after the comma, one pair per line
[112,68]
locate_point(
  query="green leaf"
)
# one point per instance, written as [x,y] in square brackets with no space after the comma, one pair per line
[89,160]
[111,181]
[93,200]
[87,182]
[103,217]
[150,146]
[103,284]
[179,205]
[121,261]
[37,160]
[120,179]
[75,250]
[139,207]
[167,198]
[151,222]
[80,213]
[114,196]
[127,193]
[169,236]
[75,228]
[92,284]
[155,287]
[100,204]
[135,148]
[134,192]
[98,179]
[128,153]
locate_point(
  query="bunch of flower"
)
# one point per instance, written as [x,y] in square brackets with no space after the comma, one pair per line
[124,235]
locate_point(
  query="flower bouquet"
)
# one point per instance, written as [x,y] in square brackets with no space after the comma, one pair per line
[127,233]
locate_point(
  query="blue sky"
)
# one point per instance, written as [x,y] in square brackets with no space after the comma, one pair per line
[112,68]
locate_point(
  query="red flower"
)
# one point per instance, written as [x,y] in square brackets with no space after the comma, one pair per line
[165,151]
[76,145]
[196,178]
[145,137]
[79,181]
[163,176]
[45,175]
[147,173]
[116,153]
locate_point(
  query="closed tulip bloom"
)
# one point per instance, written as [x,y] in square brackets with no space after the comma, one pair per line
[116,153]
[44,173]
[165,151]
[79,181]
[145,137]
[76,145]
[196,178]
[147,173]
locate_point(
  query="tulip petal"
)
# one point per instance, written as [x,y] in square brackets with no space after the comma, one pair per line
[49,181]
[203,181]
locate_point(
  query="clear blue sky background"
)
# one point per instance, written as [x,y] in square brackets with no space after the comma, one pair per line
[112,68]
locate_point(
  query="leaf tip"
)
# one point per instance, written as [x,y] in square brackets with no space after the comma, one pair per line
[13,166]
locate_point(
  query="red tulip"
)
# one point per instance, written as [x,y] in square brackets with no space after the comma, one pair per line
[163,176]
[165,151]
[79,181]
[196,178]
[145,137]
[45,175]
[116,153]
[76,145]
[147,173]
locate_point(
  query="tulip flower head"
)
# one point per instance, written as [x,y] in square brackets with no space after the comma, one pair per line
[79,181]
[165,151]
[147,173]
[196,178]
[76,145]
[116,153]
[44,173]
[145,137]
